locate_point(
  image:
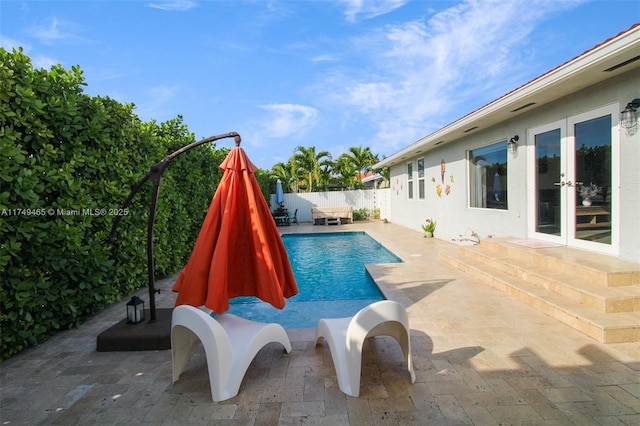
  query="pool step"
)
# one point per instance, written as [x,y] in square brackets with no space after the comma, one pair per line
[596,294]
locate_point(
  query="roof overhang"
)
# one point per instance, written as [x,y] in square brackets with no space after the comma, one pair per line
[373,177]
[615,56]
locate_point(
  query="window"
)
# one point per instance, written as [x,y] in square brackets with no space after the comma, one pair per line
[421,178]
[410,180]
[488,176]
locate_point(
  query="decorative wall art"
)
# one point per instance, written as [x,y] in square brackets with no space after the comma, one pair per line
[397,187]
[441,187]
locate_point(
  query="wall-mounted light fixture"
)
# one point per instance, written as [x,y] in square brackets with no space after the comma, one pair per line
[512,146]
[628,117]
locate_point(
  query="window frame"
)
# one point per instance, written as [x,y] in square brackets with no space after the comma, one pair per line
[410,180]
[421,179]
[487,187]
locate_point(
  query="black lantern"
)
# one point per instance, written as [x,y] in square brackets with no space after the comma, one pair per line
[135,310]
[512,146]
[628,117]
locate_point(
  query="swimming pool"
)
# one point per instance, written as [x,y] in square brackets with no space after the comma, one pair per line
[331,277]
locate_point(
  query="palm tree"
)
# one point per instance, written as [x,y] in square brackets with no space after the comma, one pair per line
[307,164]
[344,167]
[326,170]
[283,172]
[362,159]
[357,161]
[386,173]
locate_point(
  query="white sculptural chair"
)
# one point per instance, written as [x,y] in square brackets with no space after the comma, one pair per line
[230,344]
[346,337]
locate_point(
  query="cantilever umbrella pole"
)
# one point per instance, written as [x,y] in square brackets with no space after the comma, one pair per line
[155,174]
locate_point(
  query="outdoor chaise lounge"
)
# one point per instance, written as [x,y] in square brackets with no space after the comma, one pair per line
[346,337]
[230,344]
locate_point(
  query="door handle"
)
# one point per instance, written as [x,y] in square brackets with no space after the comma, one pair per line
[559,183]
[569,183]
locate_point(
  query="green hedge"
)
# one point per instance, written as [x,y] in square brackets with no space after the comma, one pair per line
[67,163]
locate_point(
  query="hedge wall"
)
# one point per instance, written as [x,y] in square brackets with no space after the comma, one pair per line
[67,163]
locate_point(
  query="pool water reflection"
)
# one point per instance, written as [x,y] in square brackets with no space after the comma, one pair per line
[331,277]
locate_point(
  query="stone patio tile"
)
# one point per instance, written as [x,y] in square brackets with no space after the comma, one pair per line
[329,420]
[359,412]
[248,404]
[157,409]
[473,379]
[421,417]
[571,394]
[450,387]
[474,364]
[268,414]
[632,388]
[549,411]
[295,376]
[335,402]
[282,394]
[314,389]
[510,414]
[302,409]
[421,397]
[452,410]
[203,414]
[603,406]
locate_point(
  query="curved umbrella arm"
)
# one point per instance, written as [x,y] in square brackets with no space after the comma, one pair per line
[155,174]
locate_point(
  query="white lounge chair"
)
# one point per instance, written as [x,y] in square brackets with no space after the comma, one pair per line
[230,344]
[346,337]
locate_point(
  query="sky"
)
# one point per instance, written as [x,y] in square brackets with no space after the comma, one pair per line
[330,74]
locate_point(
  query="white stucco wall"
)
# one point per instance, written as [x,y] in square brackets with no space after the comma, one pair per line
[452,212]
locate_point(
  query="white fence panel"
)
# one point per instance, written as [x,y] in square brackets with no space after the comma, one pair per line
[359,199]
[383,202]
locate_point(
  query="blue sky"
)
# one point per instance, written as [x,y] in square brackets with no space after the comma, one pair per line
[329,74]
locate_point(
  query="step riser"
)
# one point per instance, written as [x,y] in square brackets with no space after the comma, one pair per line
[589,275]
[618,304]
[601,334]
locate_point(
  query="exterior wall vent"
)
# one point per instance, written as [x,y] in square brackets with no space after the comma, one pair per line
[523,107]
[623,64]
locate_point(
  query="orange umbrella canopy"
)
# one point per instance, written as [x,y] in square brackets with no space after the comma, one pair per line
[239,251]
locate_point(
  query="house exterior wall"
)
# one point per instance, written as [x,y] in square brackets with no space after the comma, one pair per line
[452,212]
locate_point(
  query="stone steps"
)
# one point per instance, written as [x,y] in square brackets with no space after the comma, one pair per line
[596,294]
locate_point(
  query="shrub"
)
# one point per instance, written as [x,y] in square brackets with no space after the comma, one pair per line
[361,214]
[67,163]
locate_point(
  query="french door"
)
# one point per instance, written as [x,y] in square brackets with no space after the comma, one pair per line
[574,179]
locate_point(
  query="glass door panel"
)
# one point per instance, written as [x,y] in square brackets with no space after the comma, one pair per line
[593,141]
[574,181]
[548,175]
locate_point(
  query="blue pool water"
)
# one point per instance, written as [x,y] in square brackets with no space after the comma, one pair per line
[331,277]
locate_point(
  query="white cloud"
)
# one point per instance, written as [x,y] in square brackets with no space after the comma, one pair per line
[174,5]
[432,72]
[289,120]
[9,44]
[324,58]
[162,94]
[154,104]
[51,33]
[43,61]
[370,8]
[37,60]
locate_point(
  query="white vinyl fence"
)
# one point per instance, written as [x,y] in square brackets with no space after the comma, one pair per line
[359,199]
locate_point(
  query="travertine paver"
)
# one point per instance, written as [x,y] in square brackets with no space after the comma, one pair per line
[480,356]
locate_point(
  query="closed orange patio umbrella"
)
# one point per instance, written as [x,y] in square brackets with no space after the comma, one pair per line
[239,251]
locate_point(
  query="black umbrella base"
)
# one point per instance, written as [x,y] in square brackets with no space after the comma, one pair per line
[144,336]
